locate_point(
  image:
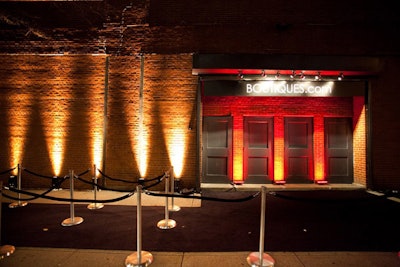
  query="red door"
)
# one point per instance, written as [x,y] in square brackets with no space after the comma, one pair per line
[299,150]
[217,150]
[339,150]
[257,153]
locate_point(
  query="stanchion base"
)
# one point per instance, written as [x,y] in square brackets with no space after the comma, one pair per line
[145,259]
[6,251]
[95,206]
[166,224]
[254,260]
[17,204]
[72,221]
[174,208]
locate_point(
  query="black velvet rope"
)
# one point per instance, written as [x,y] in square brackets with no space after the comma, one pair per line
[59,182]
[116,179]
[158,178]
[68,199]
[100,186]
[7,171]
[56,185]
[159,194]
[36,174]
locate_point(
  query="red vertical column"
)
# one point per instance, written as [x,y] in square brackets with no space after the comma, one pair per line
[279,148]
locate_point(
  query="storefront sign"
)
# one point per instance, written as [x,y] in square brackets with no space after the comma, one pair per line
[284,88]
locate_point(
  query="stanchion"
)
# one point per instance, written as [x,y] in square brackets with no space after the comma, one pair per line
[5,250]
[260,258]
[72,220]
[95,205]
[173,207]
[19,203]
[140,257]
[166,223]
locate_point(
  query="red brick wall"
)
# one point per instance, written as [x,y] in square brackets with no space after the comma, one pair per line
[279,108]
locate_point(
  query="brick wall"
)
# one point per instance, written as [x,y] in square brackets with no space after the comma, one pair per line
[47,109]
[167,29]
[169,92]
[279,108]
[54,106]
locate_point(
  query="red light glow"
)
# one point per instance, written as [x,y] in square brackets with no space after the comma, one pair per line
[279,148]
[319,157]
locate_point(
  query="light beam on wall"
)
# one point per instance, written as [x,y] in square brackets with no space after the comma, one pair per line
[19,115]
[55,113]
[96,115]
[175,134]
[176,148]
[142,152]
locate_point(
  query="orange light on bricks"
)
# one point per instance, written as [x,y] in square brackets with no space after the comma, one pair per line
[18,121]
[175,127]
[176,150]
[142,153]
[55,105]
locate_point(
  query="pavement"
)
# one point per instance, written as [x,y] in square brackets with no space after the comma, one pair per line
[53,257]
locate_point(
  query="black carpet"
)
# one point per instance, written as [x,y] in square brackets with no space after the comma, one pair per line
[336,220]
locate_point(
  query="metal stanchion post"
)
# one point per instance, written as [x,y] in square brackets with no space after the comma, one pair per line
[166,223]
[5,250]
[95,205]
[72,220]
[19,203]
[140,257]
[173,207]
[260,258]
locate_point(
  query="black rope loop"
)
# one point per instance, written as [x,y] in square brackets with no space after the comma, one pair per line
[102,187]
[7,171]
[158,194]
[158,178]
[67,199]
[130,182]
[36,174]
[54,186]
[83,173]
[116,179]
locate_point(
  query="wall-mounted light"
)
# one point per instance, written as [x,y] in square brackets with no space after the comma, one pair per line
[277,75]
[302,76]
[318,76]
[240,75]
[293,74]
[341,76]
[263,74]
